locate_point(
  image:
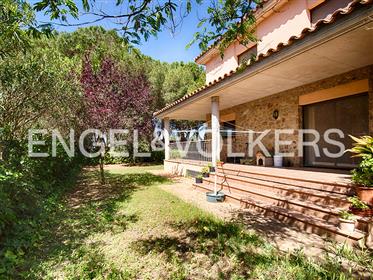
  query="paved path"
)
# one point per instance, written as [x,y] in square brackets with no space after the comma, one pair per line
[281,235]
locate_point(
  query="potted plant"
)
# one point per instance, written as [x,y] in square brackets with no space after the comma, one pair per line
[359,207]
[219,163]
[199,179]
[210,167]
[205,172]
[346,221]
[362,176]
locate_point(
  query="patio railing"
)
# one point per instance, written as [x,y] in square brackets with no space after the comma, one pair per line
[193,150]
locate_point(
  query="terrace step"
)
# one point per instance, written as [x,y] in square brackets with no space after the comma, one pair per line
[328,212]
[290,191]
[291,178]
[303,221]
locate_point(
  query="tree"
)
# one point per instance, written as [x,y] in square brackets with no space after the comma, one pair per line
[114,99]
[181,79]
[37,88]
[17,23]
[137,20]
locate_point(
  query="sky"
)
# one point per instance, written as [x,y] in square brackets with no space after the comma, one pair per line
[166,47]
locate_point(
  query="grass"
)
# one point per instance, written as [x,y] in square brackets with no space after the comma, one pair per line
[132,229]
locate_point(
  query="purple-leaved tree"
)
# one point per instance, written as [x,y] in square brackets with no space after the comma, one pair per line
[115,98]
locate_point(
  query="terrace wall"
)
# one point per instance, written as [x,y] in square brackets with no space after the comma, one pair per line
[257,115]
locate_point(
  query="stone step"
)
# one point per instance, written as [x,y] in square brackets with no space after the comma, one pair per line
[304,222]
[285,177]
[328,213]
[300,193]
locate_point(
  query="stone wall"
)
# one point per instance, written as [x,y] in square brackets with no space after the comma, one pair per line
[257,115]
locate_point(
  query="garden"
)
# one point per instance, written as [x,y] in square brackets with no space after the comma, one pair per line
[66,215]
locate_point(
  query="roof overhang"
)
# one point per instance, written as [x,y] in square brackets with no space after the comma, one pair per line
[334,49]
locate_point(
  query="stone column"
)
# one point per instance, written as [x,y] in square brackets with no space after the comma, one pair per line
[215,130]
[166,135]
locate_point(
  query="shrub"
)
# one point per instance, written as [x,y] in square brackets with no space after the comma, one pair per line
[344,214]
[205,170]
[357,203]
[29,189]
[363,174]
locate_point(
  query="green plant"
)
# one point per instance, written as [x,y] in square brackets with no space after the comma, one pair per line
[199,176]
[357,203]
[363,147]
[344,214]
[219,163]
[205,169]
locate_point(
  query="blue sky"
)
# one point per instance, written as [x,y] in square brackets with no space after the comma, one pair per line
[166,47]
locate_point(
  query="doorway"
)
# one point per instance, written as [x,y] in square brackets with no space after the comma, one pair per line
[349,114]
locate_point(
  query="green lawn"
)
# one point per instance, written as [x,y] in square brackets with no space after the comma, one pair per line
[132,229]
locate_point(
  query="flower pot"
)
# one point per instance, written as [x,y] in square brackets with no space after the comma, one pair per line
[199,180]
[205,175]
[362,213]
[211,168]
[215,197]
[347,225]
[365,194]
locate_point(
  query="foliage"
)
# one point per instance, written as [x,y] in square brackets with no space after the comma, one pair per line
[363,174]
[181,79]
[231,20]
[28,192]
[17,22]
[205,169]
[344,214]
[137,20]
[115,98]
[168,81]
[357,203]
[226,20]
[199,176]
[363,146]
[39,89]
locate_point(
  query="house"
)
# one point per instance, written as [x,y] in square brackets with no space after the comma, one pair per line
[312,69]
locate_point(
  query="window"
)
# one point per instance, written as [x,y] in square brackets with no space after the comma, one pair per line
[349,114]
[228,128]
[247,55]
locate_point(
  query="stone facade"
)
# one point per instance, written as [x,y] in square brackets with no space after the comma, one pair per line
[258,115]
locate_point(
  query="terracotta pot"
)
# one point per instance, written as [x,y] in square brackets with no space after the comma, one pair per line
[365,194]
[346,225]
[362,213]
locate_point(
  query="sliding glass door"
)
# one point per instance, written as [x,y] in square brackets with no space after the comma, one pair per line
[349,114]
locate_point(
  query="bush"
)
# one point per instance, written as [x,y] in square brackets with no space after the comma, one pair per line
[29,188]
[363,174]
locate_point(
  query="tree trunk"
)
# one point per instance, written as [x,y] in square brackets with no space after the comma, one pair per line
[102,173]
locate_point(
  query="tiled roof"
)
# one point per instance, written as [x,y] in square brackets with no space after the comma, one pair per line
[330,19]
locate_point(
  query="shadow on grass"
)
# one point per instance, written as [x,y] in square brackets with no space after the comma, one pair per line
[230,252]
[219,241]
[90,209]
